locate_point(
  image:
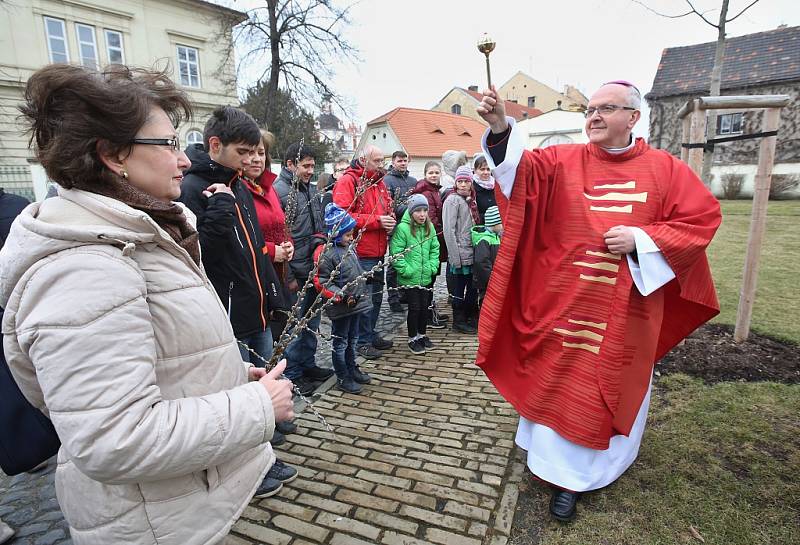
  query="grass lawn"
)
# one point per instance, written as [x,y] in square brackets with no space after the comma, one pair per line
[720,462]
[777,307]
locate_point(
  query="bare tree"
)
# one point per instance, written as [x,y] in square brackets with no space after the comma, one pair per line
[716,71]
[295,45]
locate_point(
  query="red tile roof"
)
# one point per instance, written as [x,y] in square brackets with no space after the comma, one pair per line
[424,133]
[517,111]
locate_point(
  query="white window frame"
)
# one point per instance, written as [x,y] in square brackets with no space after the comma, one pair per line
[190,132]
[49,37]
[82,43]
[188,64]
[455,109]
[110,48]
[731,117]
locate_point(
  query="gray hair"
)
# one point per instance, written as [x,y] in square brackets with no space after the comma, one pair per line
[368,150]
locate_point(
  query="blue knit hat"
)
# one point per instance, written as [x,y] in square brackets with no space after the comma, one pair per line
[492,216]
[338,222]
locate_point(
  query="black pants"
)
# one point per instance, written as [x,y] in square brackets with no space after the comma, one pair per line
[417,320]
[394,295]
[464,295]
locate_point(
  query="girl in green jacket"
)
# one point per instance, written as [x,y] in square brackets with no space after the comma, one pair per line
[417,247]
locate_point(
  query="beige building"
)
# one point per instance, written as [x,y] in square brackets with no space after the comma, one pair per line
[526,91]
[191,37]
[461,101]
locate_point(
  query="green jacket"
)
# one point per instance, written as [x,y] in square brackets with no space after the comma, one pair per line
[420,264]
[486,244]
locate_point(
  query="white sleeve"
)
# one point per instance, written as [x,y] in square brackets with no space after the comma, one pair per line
[652,271]
[506,171]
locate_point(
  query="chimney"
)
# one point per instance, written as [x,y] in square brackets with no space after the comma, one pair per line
[524,115]
[473,88]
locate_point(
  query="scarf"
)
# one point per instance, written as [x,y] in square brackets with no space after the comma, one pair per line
[486,184]
[169,216]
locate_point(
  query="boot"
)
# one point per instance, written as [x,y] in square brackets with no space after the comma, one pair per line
[460,323]
[472,316]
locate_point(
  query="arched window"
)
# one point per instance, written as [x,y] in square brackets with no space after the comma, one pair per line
[555,139]
[456,109]
[194,137]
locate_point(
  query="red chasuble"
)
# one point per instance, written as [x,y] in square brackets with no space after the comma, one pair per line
[564,334]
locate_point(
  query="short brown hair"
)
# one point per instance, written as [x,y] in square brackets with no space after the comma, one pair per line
[71,110]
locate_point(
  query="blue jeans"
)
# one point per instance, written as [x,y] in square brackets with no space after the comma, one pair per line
[369,319]
[261,344]
[301,351]
[345,334]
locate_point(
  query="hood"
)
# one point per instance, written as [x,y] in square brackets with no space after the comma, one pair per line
[205,167]
[408,220]
[452,159]
[481,232]
[74,218]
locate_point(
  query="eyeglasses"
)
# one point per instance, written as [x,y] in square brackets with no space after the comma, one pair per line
[174,143]
[605,109]
[340,169]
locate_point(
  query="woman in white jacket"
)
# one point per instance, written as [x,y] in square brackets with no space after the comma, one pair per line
[112,328]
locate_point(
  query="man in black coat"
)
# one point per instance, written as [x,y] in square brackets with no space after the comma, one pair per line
[400,183]
[10,207]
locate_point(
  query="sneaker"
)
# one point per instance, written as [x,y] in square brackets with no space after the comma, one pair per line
[286,427]
[416,346]
[426,342]
[382,344]
[305,386]
[350,386]
[281,472]
[360,376]
[277,438]
[317,373]
[268,488]
[397,307]
[369,352]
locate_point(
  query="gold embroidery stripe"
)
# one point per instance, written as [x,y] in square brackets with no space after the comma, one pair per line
[581,346]
[623,197]
[624,185]
[585,333]
[604,254]
[627,209]
[598,325]
[613,267]
[604,279]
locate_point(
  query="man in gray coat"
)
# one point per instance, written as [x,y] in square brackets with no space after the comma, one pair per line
[302,206]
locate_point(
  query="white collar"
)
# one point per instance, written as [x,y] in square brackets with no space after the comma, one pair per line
[617,151]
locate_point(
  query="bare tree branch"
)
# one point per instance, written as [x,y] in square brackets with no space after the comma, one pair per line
[753,3]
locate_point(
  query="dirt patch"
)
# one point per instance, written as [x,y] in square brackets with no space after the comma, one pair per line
[711,354]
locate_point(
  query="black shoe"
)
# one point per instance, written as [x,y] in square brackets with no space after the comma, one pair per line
[464,327]
[286,427]
[382,344]
[317,373]
[277,438]
[416,346]
[426,342]
[305,386]
[350,386]
[397,307]
[563,504]
[369,352]
[360,376]
[268,487]
[282,472]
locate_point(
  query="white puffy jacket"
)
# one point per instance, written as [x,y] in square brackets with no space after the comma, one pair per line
[113,330]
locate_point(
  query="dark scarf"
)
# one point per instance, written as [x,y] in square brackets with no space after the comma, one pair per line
[168,216]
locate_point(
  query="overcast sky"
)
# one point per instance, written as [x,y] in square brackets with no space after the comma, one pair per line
[415,51]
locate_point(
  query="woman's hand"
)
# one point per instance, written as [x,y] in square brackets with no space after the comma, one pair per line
[280,391]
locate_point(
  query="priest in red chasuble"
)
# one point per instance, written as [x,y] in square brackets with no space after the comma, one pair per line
[601,271]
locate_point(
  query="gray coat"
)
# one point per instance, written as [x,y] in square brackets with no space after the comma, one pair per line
[332,285]
[457,224]
[308,221]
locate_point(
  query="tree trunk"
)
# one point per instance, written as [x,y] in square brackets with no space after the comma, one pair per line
[275,60]
[716,83]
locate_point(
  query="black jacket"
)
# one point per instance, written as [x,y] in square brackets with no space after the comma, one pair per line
[231,244]
[308,221]
[400,186]
[10,207]
[484,198]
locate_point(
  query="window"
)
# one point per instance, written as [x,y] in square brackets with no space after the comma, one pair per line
[56,39]
[194,137]
[555,140]
[456,109]
[531,102]
[116,55]
[729,123]
[189,66]
[87,46]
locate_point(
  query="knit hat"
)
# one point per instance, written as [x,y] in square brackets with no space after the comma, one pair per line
[416,202]
[337,222]
[492,216]
[463,173]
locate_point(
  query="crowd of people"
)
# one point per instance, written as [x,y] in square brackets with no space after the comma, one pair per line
[145,299]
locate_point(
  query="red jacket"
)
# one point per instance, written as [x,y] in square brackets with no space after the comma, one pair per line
[271,218]
[374,202]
